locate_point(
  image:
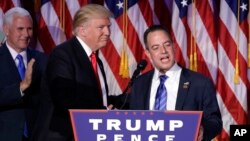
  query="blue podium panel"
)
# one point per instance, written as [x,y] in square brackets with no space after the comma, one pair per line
[135,125]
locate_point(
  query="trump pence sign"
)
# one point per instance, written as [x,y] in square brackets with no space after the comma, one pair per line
[133,125]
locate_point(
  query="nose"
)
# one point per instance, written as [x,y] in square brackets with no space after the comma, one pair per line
[163,49]
[27,32]
[106,30]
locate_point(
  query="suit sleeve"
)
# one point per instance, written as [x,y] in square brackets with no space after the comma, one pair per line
[60,79]
[71,83]
[10,94]
[211,122]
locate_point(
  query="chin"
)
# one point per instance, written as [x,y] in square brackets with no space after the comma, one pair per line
[166,67]
[24,47]
[103,45]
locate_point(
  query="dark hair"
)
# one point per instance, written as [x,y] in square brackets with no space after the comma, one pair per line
[152,29]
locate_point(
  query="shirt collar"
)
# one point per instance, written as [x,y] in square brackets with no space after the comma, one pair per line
[170,73]
[14,53]
[85,46]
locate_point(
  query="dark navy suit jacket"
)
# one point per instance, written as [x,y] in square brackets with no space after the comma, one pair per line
[15,110]
[198,95]
[72,84]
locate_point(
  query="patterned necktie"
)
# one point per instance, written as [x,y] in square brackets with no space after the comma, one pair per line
[21,70]
[161,94]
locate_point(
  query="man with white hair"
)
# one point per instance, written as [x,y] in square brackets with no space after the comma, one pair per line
[20,78]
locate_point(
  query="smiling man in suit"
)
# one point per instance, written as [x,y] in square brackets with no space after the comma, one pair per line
[171,87]
[20,78]
[75,73]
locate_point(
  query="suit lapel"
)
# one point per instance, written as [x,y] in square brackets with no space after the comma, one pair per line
[29,55]
[147,88]
[183,90]
[83,58]
[8,62]
[85,63]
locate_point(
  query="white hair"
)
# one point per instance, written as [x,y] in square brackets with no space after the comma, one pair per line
[15,11]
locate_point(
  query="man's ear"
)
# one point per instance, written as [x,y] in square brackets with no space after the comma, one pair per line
[6,30]
[147,54]
[83,30]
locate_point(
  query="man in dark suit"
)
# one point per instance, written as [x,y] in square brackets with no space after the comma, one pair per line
[73,82]
[183,89]
[19,89]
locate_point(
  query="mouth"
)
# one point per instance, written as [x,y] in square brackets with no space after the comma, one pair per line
[105,38]
[25,40]
[165,58]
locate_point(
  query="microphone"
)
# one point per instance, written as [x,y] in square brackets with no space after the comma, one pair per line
[140,67]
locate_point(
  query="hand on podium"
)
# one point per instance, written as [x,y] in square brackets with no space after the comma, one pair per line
[120,101]
[110,107]
[200,135]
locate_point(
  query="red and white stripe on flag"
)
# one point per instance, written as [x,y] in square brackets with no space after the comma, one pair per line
[216,55]
[232,40]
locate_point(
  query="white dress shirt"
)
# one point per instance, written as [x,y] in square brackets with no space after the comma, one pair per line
[171,84]
[14,54]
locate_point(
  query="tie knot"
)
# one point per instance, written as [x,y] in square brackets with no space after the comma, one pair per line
[19,57]
[93,55]
[163,78]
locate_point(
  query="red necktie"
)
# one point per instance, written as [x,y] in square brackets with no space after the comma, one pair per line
[94,65]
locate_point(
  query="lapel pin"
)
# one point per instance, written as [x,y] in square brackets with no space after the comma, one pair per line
[185,85]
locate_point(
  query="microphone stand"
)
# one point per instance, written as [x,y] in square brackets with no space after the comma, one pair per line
[140,66]
[126,90]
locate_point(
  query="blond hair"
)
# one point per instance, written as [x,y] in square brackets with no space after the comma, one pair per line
[88,12]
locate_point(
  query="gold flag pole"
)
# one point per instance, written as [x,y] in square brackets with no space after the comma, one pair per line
[124,69]
[193,54]
[236,72]
[62,15]
[248,49]
[191,59]
[195,49]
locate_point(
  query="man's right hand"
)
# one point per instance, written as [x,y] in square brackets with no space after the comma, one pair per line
[28,76]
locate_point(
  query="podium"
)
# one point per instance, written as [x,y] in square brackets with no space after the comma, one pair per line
[135,125]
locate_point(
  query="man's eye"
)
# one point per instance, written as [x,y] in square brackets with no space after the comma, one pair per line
[154,47]
[100,27]
[167,45]
[20,28]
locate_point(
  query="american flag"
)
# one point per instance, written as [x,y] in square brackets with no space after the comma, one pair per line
[210,37]
[232,54]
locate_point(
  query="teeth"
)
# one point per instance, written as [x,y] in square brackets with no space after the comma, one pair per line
[166,57]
